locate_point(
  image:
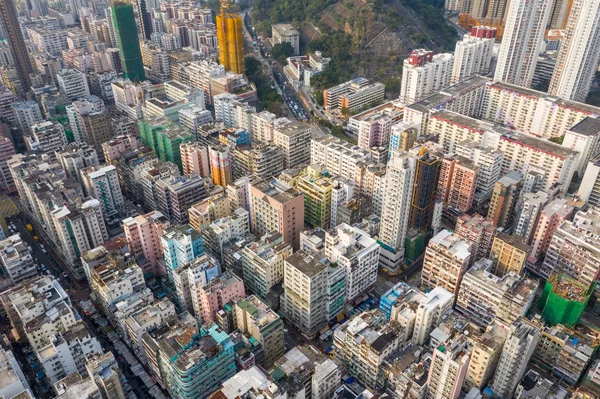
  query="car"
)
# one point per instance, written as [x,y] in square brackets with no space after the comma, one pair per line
[65,275]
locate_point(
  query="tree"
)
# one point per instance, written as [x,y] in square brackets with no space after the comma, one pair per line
[281,51]
[392,85]
[345,112]
[319,97]
[557,140]
[253,66]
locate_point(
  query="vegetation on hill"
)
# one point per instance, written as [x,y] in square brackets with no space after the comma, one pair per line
[363,38]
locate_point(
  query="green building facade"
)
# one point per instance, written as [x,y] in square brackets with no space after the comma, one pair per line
[129,43]
[165,140]
[564,300]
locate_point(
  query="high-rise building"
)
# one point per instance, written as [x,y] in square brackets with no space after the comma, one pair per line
[486,348]
[224,288]
[395,212]
[18,49]
[448,369]
[194,159]
[177,194]
[73,83]
[261,322]
[27,114]
[551,217]
[231,39]
[463,184]
[446,260]
[304,301]
[262,263]
[485,297]
[199,366]
[47,136]
[425,184]
[504,199]
[220,164]
[180,245]
[144,18]
[127,38]
[509,253]
[584,137]
[105,371]
[517,351]
[473,54]
[103,184]
[521,41]
[7,150]
[575,248]
[361,263]
[579,52]
[424,74]
[16,259]
[527,220]
[277,207]
[479,231]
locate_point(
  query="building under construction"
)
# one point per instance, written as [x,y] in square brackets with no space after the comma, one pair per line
[564,300]
[231,39]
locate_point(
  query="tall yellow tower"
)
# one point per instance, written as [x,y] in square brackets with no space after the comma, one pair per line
[231,39]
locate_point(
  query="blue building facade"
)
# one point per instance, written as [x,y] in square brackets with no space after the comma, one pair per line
[388,299]
[199,367]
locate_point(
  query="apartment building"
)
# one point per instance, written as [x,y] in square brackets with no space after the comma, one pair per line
[584,137]
[532,112]
[208,210]
[16,259]
[484,297]
[26,114]
[518,349]
[399,180]
[340,157]
[473,54]
[424,74]
[420,313]
[448,369]
[463,185]
[488,161]
[221,290]
[263,160]
[508,253]
[276,207]
[258,320]
[294,140]
[504,199]
[103,184]
[74,157]
[364,343]
[477,230]
[73,83]
[446,260]
[551,217]
[522,38]
[263,263]
[143,234]
[46,136]
[575,248]
[177,194]
[354,250]
[522,153]
[220,164]
[222,231]
[181,244]
[486,349]
[304,300]
[189,278]
[115,280]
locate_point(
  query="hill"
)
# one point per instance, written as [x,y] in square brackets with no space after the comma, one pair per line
[367,38]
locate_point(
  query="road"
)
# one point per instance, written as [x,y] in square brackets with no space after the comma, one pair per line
[77,291]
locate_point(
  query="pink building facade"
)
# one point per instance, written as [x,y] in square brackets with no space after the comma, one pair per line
[222,289]
[374,131]
[551,217]
[114,148]
[194,159]
[278,209]
[143,234]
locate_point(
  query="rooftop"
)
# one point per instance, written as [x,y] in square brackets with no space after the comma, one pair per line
[306,263]
[587,127]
